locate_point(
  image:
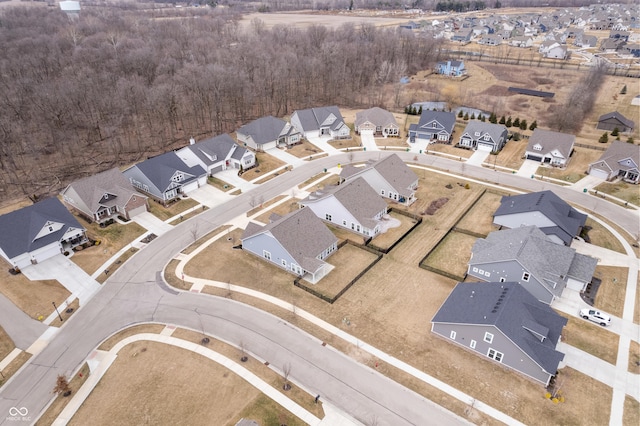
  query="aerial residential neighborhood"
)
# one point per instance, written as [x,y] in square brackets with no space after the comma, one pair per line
[240,215]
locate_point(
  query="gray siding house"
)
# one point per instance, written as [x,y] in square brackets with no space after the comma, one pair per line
[621,160]
[321,122]
[378,121]
[483,136]
[268,132]
[38,232]
[389,177]
[354,206]
[433,126]
[166,177]
[550,147]
[503,324]
[525,255]
[615,120]
[544,209]
[298,242]
[217,154]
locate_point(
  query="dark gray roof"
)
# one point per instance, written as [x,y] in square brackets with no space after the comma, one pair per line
[495,131]
[377,116]
[356,196]
[549,140]
[159,170]
[216,149]
[446,119]
[617,152]
[312,118]
[301,233]
[392,169]
[18,229]
[513,311]
[567,219]
[264,129]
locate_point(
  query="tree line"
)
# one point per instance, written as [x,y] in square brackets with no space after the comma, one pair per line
[115,86]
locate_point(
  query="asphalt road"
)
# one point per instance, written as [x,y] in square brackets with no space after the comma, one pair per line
[132,295]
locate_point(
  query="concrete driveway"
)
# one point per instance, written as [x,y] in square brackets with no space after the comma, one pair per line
[368,141]
[478,157]
[528,168]
[231,176]
[151,223]
[283,155]
[209,196]
[588,182]
[67,273]
[323,144]
[22,329]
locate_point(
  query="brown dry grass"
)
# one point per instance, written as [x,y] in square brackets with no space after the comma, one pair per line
[74,306]
[116,264]
[345,234]
[346,143]
[163,213]
[624,191]
[591,338]
[266,164]
[147,375]
[304,149]
[261,204]
[14,366]
[511,155]
[205,238]
[54,410]
[611,293]
[312,179]
[281,210]
[634,357]
[600,236]
[452,254]
[110,342]
[189,215]
[220,184]
[480,218]
[348,262]
[32,297]
[577,167]
[112,238]
[388,238]
[6,344]
[631,414]
[450,149]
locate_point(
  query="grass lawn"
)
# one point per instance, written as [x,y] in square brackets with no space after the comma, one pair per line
[312,179]
[220,184]
[388,238]
[346,143]
[611,293]
[261,205]
[624,191]
[112,238]
[452,254]
[480,218]
[591,338]
[631,414]
[109,343]
[450,149]
[348,262]
[512,154]
[577,167]
[54,410]
[266,164]
[189,215]
[304,149]
[634,357]
[32,297]
[600,236]
[163,213]
[391,142]
[6,344]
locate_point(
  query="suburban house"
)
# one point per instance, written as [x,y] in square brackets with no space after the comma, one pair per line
[217,154]
[527,256]
[621,160]
[433,126]
[390,177]
[544,209]
[521,41]
[378,121]
[613,120]
[38,232]
[298,242]
[483,136]
[463,35]
[553,49]
[504,323]
[320,122]
[166,177]
[104,196]
[451,68]
[268,132]
[550,147]
[353,205]
[490,40]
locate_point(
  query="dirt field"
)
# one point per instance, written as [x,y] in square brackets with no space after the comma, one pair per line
[591,338]
[32,297]
[611,293]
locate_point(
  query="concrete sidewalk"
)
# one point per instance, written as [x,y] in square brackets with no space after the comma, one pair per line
[151,223]
[478,157]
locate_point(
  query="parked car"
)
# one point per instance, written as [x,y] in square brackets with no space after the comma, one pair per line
[595,316]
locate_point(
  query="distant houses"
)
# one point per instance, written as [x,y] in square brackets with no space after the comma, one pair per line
[451,68]
[621,160]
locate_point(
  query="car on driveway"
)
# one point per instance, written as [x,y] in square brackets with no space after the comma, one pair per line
[595,316]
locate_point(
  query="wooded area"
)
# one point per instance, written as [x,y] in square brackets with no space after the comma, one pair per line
[112,87]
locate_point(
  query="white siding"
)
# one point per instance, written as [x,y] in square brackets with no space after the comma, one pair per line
[517,220]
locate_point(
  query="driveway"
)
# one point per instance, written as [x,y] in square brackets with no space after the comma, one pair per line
[284,156]
[478,157]
[151,223]
[588,182]
[528,168]
[323,144]
[209,196]
[368,141]
[231,176]
[67,273]
[22,329]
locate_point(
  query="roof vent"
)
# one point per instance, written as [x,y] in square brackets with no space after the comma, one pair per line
[493,312]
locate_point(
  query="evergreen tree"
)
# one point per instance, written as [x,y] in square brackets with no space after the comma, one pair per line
[508,123]
[414,111]
[493,118]
[482,118]
[406,109]
[466,116]
[420,110]
[523,125]
[460,114]
[473,116]
[604,138]
[615,132]
[516,122]
[624,90]
[502,120]
[533,125]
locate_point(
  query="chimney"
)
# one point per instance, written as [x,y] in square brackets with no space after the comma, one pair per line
[192,141]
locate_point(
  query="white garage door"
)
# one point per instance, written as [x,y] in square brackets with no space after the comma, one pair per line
[137,211]
[485,147]
[190,187]
[602,174]
[46,252]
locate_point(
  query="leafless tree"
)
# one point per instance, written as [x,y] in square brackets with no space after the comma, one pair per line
[286,371]
[62,385]
[194,232]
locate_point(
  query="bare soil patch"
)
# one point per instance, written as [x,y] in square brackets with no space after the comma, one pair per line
[601,236]
[265,164]
[624,191]
[479,219]
[435,205]
[591,338]
[452,254]
[612,290]
[32,297]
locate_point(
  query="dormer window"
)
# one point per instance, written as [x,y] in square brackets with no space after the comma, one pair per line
[537,147]
[50,228]
[477,133]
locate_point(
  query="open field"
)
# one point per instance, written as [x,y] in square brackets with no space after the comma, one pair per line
[480,218]
[577,168]
[112,238]
[304,20]
[591,338]
[612,290]
[452,254]
[624,191]
[32,297]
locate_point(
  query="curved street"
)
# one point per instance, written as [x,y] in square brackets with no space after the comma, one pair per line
[133,295]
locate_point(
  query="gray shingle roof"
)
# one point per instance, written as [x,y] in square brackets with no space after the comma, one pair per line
[356,196]
[301,233]
[392,169]
[216,149]
[159,170]
[513,311]
[618,151]
[18,229]
[495,131]
[446,119]
[550,140]
[567,219]
[264,129]
[312,118]
[377,116]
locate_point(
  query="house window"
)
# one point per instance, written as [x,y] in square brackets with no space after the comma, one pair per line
[344,223]
[474,269]
[382,192]
[353,226]
[327,217]
[452,335]
[495,355]
[358,228]
[266,254]
[487,273]
[284,262]
[525,276]
[477,133]
[472,344]
[488,337]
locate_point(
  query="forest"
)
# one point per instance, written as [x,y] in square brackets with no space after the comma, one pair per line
[115,86]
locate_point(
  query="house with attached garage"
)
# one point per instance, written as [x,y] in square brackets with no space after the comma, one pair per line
[38,232]
[166,177]
[451,68]
[377,121]
[483,136]
[503,323]
[525,255]
[550,147]
[298,242]
[389,177]
[544,209]
[321,122]
[103,196]
[621,160]
[268,132]
[354,206]
[615,120]
[434,126]
[217,154]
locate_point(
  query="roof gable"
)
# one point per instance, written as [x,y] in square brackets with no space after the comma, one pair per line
[550,141]
[264,130]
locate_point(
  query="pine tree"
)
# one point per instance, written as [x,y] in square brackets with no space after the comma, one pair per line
[460,114]
[523,125]
[420,110]
[502,120]
[466,116]
[493,118]
[604,138]
[508,123]
[473,116]
[406,109]
[482,118]
[533,125]
[414,111]
[615,132]
[516,122]
[624,90]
